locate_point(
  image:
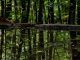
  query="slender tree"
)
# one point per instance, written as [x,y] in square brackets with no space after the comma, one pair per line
[51,21]
[71,20]
[2,31]
[29,31]
[34,30]
[40,21]
[14,48]
[22,31]
[78,22]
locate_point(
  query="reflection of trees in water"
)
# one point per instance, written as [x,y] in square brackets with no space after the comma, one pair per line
[0,32]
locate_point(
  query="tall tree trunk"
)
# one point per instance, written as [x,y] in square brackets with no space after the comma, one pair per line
[35,31]
[14,48]
[2,31]
[78,14]
[71,20]
[29,31]
[51,21]
[22,31]
[78,22]
[40,21]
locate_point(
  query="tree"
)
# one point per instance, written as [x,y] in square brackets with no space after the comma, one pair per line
[71,20]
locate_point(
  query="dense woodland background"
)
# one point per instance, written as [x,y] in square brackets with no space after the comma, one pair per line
[35,44]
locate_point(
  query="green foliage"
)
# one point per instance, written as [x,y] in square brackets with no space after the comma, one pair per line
[60,49]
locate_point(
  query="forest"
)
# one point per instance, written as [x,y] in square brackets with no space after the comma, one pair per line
[39,29]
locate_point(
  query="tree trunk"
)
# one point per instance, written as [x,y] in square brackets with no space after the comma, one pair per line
[51,21]
[40,21]
[2,31]
[71,20]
